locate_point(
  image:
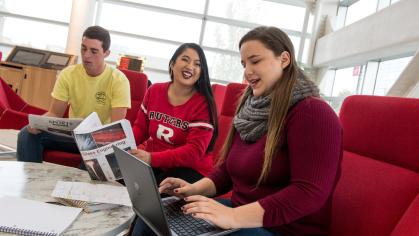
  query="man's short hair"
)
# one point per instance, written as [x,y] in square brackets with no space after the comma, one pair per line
[99,33]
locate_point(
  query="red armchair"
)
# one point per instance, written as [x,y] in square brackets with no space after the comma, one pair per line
[232,97]
[138,85]
[219,91]
[378,192]
[13,109]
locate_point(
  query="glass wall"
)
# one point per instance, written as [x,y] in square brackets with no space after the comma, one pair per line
[372,78]
[357,10]
[388,72]
[40,24]
[155,28]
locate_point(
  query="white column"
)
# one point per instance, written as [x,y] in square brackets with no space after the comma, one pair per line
[82,15]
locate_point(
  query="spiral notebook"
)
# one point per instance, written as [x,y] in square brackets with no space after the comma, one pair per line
[87,207]
[28,217]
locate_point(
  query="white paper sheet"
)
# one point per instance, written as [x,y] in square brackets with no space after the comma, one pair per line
[88,192]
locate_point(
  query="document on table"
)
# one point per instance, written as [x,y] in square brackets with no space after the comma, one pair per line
[101,193]
[29,217]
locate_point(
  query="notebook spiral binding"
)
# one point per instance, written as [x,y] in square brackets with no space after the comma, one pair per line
[24,231]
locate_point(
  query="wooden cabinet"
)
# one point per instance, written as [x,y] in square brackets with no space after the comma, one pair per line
[33,84]
[13,76]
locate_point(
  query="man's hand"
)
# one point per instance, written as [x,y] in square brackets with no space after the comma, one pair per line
[33,130]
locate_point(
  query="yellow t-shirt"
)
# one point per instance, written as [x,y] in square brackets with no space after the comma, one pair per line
[86,94]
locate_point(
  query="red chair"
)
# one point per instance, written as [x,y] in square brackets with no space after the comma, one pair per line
[233,93]
[13,109]
[219,91]
[232,97]
[378,192]
[138,85]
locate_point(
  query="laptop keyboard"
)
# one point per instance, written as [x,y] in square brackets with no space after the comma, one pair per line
[184,224]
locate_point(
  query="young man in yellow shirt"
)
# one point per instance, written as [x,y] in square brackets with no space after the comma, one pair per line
[87,87]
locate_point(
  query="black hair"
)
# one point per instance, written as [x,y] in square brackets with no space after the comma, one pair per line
[202,85]
[99,33]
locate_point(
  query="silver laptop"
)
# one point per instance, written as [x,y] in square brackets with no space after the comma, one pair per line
[163,216]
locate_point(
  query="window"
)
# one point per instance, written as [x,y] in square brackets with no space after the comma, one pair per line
[45,9]
[158,77]
[141,47]
[224,67]
[346,81]
[260,12]
[370,78]
[345,84]
[388,72]
[223,36]
[5,50]
[34,34]
[359,10]
[150,29]
[196,6]
[138,21]
[326,85]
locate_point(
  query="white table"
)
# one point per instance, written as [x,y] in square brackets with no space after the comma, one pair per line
[36,181]
[8,140]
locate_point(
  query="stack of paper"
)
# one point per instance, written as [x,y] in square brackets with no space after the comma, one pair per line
[93,193]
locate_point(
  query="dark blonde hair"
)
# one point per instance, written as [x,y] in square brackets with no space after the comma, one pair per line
[277,41]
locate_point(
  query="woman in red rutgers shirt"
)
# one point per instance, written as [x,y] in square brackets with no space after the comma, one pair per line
[177,123]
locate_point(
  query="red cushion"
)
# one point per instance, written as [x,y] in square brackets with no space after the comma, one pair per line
[138,84]
[224,124]
[231,100]
[4,102]
[62,158]
[13,110]
[232,97]
[132,112]
[384,128]
[408,225]
[8,97]
[219,91]
[371,196]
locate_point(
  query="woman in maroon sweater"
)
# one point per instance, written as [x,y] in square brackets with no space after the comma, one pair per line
[282,156]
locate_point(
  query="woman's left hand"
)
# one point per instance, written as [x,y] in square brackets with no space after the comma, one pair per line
[142,155]
[210,210]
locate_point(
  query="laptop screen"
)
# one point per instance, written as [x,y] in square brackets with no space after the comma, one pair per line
[142,189]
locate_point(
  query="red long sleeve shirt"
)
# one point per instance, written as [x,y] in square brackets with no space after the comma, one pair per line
[176,136]
[297,194]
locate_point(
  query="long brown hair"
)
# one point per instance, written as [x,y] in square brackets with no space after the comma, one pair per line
[277,41]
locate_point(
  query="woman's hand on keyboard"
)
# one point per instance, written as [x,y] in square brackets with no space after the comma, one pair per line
[209,209]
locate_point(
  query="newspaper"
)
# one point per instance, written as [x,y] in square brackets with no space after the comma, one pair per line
[54,125]
[95,141]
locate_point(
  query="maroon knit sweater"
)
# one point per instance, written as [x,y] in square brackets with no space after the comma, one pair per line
[296,196]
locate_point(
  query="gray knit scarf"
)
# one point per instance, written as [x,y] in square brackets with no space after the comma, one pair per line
[252,119]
